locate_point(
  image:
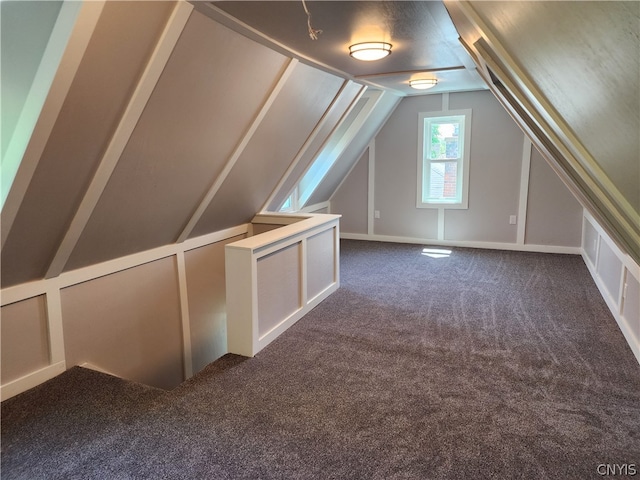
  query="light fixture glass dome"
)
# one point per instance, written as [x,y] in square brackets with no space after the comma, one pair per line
[423,83]
[370,51]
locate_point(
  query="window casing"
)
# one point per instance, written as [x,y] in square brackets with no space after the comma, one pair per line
[443,159]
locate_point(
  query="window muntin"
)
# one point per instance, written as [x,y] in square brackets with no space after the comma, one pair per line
[443,159]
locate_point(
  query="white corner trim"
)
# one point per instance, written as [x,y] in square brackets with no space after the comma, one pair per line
[347,138]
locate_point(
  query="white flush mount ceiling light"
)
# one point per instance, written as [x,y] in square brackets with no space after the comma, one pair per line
[423,83]
[370,51]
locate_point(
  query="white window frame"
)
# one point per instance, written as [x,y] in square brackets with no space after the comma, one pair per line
[424,122]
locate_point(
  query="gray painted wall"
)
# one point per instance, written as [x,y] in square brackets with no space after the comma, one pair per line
[127,323]
[553,216]
[352,197]
[25,346]
[205,271]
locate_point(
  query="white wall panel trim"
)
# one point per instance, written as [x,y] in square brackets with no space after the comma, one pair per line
[445,102]
[56,348]
[184,316]
[51,289]
[627,261]
[308,142]
[195,218]
[524,189]
[138,101]
[40,287]
[371,187]
[628,268]
[54,324]
[76,46]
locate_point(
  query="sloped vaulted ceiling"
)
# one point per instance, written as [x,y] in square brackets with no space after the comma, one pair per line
[304,98]
[569,72]
[174,126]
[93,107]
[204,101]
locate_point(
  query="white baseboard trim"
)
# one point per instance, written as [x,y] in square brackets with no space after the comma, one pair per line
[464,244]
[22,384]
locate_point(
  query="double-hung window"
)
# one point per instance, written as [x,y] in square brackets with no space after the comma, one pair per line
[443,159]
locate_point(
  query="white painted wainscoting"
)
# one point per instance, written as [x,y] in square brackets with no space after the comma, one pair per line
[275,278]
[617,277]
[33,356]
[159,316]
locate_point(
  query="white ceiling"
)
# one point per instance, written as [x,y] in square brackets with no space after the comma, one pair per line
[425,42]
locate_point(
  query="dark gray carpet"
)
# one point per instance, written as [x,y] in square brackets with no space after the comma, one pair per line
[485,364]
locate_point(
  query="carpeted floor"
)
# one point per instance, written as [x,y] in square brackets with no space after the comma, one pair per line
[482,364]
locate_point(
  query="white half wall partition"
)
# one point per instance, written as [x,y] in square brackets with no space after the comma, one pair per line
[276,277]
[155,317]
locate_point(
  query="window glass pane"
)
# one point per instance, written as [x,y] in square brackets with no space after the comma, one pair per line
[444,140]
[436,180]
[443,181]
[333,149]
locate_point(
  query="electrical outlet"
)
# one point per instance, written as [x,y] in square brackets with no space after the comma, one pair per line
[376,214]
[512,220]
